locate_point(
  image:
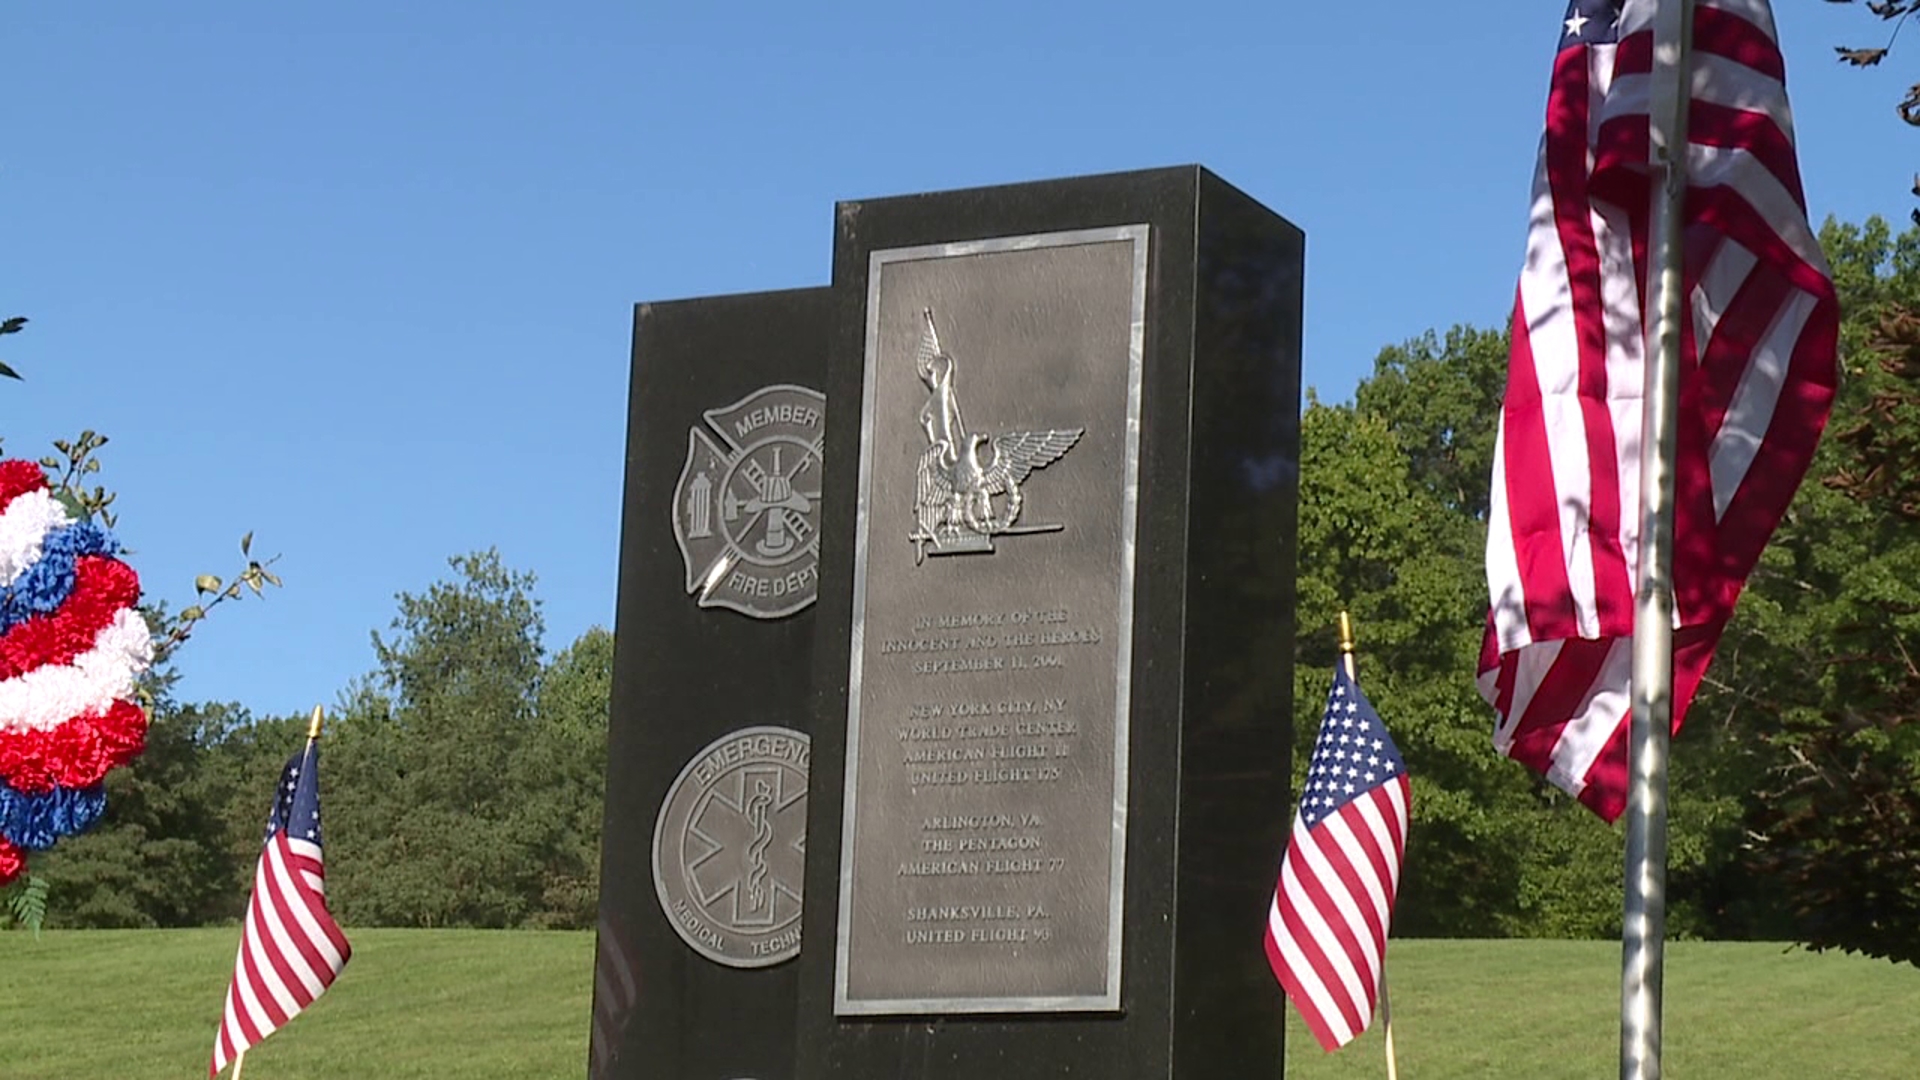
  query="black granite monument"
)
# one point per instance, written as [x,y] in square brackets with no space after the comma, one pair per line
[1052,663]
[704,837]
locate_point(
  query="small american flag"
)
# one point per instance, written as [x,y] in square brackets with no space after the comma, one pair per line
[1327,926]
[1757,375]
[290,947]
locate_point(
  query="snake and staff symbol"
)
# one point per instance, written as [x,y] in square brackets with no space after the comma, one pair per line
[757,898]
[730,847]
[961,474]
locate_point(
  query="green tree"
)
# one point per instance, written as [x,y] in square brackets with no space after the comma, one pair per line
[464,774]
[429,769]
[1373,542]
[239,765]
[162,857]
[572,752]
[1441,397]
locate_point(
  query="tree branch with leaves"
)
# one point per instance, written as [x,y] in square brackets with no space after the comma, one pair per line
[10,326]
[1896,13]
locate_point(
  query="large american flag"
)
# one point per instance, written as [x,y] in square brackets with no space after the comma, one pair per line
[1758,370]
[1327,926]
[290,947]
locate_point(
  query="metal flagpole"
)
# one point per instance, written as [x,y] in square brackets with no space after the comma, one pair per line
[1386,1007]
[1643,942]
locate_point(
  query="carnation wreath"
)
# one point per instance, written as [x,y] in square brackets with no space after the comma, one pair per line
[72,646]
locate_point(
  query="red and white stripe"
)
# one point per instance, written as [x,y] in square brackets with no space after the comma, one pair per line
[616,992]
[1758,372]
[290,949]
[24,524]
[89,684]
[1326,936]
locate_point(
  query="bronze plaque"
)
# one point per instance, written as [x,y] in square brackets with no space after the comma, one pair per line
[986,780]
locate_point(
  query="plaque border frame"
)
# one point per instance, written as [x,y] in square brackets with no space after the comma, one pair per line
[1108,1001]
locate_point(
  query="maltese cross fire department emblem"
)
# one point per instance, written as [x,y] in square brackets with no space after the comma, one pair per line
[747,508]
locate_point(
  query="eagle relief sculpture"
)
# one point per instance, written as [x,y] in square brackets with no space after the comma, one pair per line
[969,484]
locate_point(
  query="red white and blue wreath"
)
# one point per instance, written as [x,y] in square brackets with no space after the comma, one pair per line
[72,645]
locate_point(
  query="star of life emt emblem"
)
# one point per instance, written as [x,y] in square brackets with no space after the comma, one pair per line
[746,512]
[730,847]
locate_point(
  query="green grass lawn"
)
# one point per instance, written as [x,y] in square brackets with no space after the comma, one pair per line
[1544,1010]
[476,1004]
[446,1004]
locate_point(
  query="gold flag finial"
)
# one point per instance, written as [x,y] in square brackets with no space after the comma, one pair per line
[1346,633]
[313,727]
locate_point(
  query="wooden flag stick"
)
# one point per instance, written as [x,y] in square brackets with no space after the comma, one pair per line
[1386,1006]
[1386,1024]
[239,1062]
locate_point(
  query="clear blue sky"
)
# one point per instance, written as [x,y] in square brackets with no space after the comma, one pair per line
[358,276]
